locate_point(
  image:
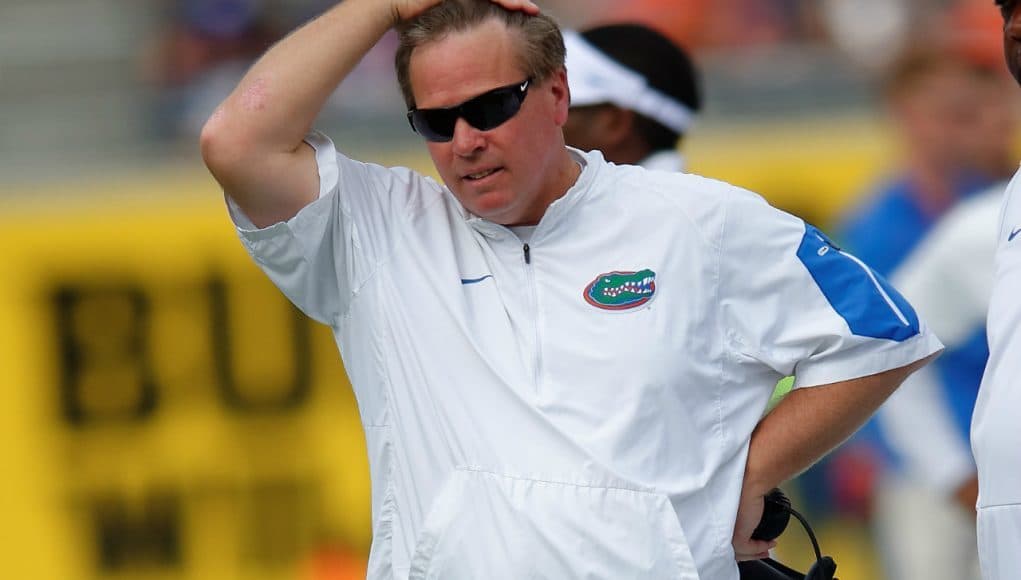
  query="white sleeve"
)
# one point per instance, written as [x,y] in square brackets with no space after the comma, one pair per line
[949,276]
[322,256]
[795,302]
[917,424]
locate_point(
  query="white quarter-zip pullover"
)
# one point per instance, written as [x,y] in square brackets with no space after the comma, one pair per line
[579,406]
[995,428]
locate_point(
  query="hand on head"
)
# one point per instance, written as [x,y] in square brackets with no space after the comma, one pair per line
[408,9]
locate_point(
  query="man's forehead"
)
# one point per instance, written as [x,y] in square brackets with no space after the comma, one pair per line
[462,64]
[491,36]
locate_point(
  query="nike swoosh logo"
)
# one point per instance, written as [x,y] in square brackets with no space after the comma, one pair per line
[1014,235]
[475,281]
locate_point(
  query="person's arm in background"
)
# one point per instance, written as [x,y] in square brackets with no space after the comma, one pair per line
[254,143]
[918,426]
[806,425]
[948,278]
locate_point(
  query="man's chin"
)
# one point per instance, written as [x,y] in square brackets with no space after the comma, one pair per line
[495,206]
[496,215]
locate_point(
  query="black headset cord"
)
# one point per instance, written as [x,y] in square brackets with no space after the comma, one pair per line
[776,514]
[808,530]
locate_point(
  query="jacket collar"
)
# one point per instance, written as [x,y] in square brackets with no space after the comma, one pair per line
[591,165]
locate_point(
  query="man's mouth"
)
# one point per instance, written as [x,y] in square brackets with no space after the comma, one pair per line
[481,175]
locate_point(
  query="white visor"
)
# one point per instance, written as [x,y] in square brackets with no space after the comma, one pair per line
[596,79]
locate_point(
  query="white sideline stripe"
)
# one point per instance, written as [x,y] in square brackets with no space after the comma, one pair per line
[882,292]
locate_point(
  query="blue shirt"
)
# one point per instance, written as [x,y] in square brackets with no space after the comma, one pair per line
[882,232]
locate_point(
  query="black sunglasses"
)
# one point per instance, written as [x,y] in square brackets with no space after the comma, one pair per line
[484,112]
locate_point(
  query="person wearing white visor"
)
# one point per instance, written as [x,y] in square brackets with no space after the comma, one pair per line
[634,95]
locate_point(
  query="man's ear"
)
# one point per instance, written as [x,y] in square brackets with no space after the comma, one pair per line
[618,125]
[561,95]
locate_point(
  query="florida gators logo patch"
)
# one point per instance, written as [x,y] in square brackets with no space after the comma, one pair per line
[621,290]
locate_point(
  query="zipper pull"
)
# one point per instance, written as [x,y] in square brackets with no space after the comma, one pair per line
[528,254]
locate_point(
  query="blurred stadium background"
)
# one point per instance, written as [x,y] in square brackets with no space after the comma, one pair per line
[164,413]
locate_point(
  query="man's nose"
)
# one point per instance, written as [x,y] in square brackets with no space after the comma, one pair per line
[467,139]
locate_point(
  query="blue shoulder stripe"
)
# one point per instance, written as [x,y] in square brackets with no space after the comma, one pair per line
[869,304]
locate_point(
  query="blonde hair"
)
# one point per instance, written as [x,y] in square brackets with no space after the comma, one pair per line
[541,48]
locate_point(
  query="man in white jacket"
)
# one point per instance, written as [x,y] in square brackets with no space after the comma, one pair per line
[561,364]
[995,430]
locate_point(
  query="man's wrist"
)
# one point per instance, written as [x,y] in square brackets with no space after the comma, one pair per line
[755,487]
